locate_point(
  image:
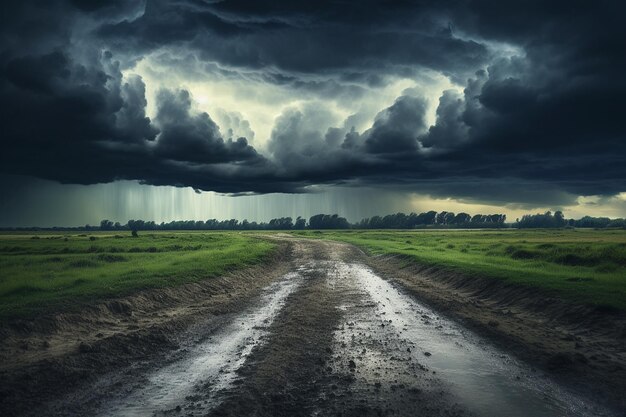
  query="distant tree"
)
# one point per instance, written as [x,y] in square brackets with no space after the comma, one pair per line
[283,223]
[376,222]
[545,220]
[448,218]
[300,223]
[106,225]
[136,225]
[427,218]
[477,219]
[596,222]
[411,221]
[326,221]
[559,219]
[462,219]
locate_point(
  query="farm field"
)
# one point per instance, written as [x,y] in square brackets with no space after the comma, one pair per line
[318,313]
[588,266]
[46,271]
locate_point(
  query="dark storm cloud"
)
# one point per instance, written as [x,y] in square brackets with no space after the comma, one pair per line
[541,107]
[74,119]
[397,127]
[336,35]
[450,129]
[194,138]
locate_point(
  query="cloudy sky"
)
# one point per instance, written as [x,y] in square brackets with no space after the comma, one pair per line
[192,109]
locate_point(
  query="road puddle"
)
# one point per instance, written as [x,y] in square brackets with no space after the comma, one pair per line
[210,366]
[420,344]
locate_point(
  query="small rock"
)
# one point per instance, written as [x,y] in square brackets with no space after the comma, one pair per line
[493,323]
[351,364]
[427,354]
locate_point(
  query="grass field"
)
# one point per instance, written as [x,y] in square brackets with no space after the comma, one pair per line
[45,271]
[40,272]
[588,266]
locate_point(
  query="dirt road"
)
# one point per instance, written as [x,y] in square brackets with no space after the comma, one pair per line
[326,335]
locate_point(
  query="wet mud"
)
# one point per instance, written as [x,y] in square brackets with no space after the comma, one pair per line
[328,335]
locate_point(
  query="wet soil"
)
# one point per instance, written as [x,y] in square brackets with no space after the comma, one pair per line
[58,364]
[306,369]
[581,346]
[322,330]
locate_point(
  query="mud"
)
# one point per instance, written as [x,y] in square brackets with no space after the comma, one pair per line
[323,330]
[580,346]
[59,364]
[210,365]
[304,371]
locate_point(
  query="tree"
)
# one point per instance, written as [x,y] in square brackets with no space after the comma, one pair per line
[441,217]
[559,219]
[448,218]
[283,223]
[326,221]
[545,220]
[427,218]
[462,219]
[300,223]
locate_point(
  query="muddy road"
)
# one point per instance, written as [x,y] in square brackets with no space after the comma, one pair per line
[326,335]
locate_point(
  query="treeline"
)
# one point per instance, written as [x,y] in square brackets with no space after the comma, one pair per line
[556,220]
[282,223]
[443,219]
[430,219]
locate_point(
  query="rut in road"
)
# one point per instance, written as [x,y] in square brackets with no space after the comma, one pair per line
[334,338]
[210,366]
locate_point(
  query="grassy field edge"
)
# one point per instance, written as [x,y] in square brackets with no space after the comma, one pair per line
[586,266]
[49,272]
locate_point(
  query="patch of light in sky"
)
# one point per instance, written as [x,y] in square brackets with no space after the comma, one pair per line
[260,102]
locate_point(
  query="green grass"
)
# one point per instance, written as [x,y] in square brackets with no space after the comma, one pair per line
[44,272]
[584,265]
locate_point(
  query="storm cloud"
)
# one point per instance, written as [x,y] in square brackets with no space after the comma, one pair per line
[529,95]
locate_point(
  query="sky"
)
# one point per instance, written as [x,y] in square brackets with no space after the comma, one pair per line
[198,109]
